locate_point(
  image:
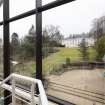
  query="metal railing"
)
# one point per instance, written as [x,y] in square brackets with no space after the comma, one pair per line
[22,95]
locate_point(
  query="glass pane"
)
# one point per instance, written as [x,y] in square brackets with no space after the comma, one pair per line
[20,6]
[1,51]
[47,1]
[73,64]
[23,46]
[1,13]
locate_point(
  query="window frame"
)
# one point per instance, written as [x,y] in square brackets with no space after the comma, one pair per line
[6,45]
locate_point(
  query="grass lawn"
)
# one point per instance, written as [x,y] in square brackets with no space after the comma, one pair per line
[55,60]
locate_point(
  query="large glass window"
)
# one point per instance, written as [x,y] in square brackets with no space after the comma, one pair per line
[73,66]
[22,43]
[1,51]
[1,12]
[20,6]
[47,1]
[73,49]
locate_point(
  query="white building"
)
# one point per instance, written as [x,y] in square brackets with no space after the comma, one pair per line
[74,42]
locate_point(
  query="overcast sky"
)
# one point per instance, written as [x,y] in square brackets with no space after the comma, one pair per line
[75,17]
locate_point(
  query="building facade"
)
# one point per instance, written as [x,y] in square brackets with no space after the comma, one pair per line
[74,42]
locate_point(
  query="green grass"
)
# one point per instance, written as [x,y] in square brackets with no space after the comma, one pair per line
[92,54]
[56,60]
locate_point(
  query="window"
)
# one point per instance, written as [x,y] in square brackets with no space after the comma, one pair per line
[69,56]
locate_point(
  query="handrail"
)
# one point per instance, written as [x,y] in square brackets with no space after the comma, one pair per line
[15,77]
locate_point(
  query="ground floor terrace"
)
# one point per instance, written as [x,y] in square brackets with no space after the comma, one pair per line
[81,87]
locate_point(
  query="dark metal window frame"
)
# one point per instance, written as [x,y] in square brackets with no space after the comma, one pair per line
[6,48]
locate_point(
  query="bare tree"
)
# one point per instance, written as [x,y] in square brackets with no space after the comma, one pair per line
[98,27]
[54,33]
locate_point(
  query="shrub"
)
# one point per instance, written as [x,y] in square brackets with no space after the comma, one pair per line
[67,61]
[100,48]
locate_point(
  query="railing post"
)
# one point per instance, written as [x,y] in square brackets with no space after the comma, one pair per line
[32,94]
[13,92]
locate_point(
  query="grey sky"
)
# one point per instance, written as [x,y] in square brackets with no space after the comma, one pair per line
[75,17]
